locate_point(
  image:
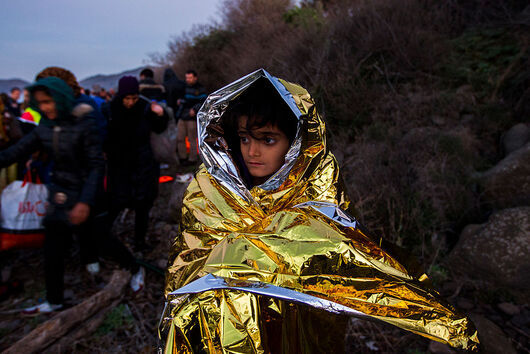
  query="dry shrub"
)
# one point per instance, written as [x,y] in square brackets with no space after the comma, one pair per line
[409,179]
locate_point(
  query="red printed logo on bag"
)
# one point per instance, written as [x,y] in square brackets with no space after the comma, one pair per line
[39,208]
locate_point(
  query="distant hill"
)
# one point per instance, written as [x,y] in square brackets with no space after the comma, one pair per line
[7,84]
[108,81]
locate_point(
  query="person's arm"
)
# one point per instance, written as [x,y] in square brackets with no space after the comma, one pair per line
[200,100]
[24,147]
[158,117]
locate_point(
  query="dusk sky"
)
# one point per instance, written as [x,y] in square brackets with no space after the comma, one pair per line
[92,37]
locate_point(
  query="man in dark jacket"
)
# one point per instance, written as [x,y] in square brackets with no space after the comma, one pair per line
[194,96]
[149,88]
[73,143]
[174,89]
[133,171]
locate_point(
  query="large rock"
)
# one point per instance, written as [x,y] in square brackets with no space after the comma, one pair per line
[507,184]
[496,252]
[492,338]
[516,138]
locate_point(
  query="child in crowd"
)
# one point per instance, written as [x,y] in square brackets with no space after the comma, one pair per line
[269,257]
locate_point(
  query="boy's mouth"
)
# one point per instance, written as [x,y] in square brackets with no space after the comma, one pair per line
[255,164]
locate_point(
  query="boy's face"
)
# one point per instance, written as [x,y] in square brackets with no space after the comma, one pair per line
[263,151]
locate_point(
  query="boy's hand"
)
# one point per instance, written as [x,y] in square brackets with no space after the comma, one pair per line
[79,213]
[192,112]
[157,109]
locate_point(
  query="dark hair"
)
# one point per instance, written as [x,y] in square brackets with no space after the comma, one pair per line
[147,73]
[63,74]
[15,89]
[263,105]
[191,71]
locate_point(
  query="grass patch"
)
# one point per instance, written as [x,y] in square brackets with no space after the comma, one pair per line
[118,317]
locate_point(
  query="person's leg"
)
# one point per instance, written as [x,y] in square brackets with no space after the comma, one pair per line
[109,245]
[141,223]
[54,244]
[192,136]
[88,245]
[181,139]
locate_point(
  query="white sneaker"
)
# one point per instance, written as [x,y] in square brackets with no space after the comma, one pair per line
[93,268]
[184,178]
[45,307]
[138,280]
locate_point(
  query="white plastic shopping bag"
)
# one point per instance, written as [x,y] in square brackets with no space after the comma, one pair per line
[22,210]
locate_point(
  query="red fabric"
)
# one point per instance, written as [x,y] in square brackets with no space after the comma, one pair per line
[164,179]
[10,240]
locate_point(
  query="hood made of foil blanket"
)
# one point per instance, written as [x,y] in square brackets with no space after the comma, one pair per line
[278,267]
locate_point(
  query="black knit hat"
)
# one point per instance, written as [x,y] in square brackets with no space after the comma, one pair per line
[128,85]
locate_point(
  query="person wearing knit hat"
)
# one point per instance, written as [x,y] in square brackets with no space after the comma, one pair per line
[128,85]
[132,169]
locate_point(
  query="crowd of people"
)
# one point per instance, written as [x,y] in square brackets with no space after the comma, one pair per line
[92,149]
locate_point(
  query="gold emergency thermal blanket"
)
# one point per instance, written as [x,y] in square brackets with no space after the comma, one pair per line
[282,266]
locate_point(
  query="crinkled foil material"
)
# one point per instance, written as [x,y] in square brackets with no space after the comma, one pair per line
[281,267]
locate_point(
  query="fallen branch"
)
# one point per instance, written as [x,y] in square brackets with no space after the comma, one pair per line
[90,326]
[54,329]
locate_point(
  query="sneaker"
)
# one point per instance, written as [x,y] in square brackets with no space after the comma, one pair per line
[138,280]
[45,307]
[93,268]
[184,178]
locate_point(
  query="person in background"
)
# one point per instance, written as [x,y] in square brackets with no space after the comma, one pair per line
[96,91]
[133,171]
[149,88]
[68,77]
[110,94]
[13,106]
[174,89]
[10,133]
[194,96]
[25,102]
[103,94]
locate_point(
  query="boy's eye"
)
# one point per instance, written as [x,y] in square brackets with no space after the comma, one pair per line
[243,139]
[269,140]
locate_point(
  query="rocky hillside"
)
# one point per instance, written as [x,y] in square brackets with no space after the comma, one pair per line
[108,81]
[7,84]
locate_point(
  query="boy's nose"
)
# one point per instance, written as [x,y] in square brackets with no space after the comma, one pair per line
[253,149]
